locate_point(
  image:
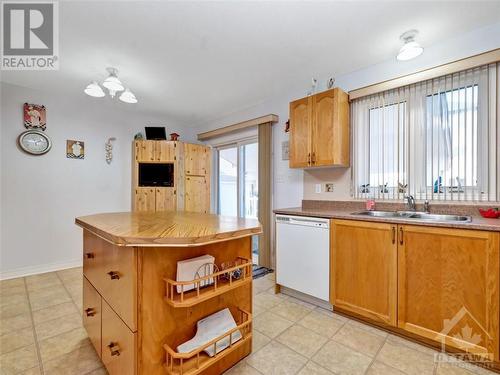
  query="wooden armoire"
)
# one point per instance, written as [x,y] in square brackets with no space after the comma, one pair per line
[171,175]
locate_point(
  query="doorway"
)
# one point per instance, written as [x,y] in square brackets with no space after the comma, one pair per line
[238,183]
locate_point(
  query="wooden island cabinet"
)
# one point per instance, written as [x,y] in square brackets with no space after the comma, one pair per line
[438,285]
[133,314]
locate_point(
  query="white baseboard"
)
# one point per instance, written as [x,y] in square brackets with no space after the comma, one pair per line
[43,268]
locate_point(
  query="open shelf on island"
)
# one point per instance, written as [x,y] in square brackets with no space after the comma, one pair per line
[196,361]
[223,281]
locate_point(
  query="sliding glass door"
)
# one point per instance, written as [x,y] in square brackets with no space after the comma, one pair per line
[238,181]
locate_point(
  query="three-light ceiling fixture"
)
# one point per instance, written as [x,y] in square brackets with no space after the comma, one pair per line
[114,86]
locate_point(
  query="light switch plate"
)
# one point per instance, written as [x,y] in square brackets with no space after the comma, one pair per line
[318,188]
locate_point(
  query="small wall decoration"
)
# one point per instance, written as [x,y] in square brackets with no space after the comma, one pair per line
[108,146]
[75,149]
[174,136]
[34,116]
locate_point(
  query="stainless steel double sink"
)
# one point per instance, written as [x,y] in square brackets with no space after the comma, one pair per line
[417,216]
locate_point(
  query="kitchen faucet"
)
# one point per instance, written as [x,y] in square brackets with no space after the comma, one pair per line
[410,202]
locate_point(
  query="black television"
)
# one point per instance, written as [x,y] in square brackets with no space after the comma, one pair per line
[156,174]
[156,133]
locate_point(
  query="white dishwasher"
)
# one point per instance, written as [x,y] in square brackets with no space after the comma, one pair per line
[303,254]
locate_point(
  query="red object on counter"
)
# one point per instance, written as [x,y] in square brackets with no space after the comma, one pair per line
[491,213]
[370,204]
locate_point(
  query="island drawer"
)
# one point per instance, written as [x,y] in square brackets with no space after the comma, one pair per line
[119,344]
[112,270]
[92,314]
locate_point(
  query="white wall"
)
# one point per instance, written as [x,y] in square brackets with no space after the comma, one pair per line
[42,195]
[292,185]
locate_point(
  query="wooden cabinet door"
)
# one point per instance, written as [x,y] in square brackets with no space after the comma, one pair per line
[196,160]
[197,196]
[300,132]
[323,129]
[119,344]
[166,199]
[448,286]
[363,269]
[144,150]
[92,314]
[165,151]
[145,199]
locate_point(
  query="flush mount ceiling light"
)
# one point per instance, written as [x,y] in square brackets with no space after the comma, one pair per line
[114,85]
[410,49]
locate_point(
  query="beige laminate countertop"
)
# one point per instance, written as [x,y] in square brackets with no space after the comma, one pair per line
[477,222]
[167,228]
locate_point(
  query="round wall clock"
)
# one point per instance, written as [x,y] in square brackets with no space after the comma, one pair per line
[34,142]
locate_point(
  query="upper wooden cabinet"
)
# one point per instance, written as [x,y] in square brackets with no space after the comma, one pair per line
[196,159]
[363,269]
[319,130]
[152,151]
[449,287]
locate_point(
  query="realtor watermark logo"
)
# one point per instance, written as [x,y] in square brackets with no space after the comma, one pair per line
[30,35]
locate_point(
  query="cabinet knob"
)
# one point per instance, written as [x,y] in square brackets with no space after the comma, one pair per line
[114,275]
[90,311]
[113,348]
[89,255]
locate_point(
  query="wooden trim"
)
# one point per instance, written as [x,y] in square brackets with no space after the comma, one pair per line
[438,71]
[238,126]
[264,187]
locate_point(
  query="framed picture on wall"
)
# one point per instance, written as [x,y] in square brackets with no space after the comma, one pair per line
[75,149]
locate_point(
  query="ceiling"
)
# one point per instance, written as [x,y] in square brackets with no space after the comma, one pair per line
[196,61]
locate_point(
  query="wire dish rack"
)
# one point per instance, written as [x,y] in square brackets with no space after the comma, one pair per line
[196,361]
[220,282]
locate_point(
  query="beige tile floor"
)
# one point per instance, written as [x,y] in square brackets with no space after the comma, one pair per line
[41,333]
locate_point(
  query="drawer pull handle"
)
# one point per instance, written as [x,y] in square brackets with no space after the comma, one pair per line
[113,348]
[400,235]
[393,235]
[114,275]
[89,255]
[90,311]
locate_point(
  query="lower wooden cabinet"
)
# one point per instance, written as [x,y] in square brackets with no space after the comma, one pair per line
[118,344]
[197,198]
[145,199]
[92,314]
[449,286]
[364,269]
[166,199]
[438,283]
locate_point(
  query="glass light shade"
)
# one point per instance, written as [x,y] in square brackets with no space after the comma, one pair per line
[128,97]
[409,51]
[93,89]
[112,83]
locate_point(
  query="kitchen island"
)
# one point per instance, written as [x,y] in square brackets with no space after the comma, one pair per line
[136,312]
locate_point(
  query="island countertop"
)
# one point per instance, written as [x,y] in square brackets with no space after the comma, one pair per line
[167,228]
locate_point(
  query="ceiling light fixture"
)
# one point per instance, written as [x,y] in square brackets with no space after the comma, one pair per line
[128,97]
[93,89]
[410,49]
[114,85]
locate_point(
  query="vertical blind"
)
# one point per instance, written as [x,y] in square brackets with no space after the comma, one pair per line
[435,140]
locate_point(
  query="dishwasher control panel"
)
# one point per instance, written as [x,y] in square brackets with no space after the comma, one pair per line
[304,221]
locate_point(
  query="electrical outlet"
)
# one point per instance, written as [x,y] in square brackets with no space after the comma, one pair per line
[318,188]
[329,188]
